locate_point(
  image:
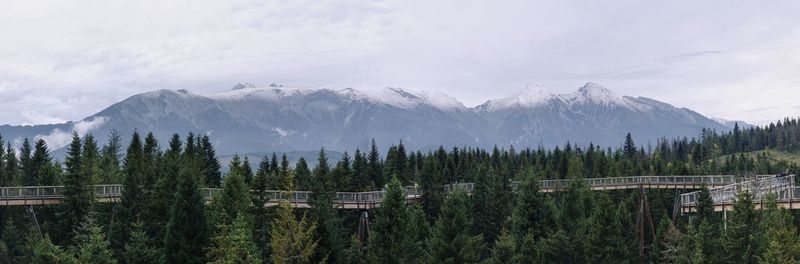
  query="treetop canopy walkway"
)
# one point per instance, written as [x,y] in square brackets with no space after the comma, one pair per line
[45,195]
[783,186]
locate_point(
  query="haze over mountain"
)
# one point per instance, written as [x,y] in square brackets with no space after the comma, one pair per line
[249,119]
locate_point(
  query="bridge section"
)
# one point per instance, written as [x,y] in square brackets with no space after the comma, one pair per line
[45,195]
[783,186]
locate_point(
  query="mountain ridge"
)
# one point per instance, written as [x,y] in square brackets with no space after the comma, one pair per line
[276,118]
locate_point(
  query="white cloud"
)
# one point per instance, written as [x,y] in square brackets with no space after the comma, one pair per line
[69,59]
[57,138]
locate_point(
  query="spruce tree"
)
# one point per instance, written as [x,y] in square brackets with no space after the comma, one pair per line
[531,215]
[4,180]
[43,251]
[328,232]
[26,167]
[78,196]
[418,232]
[503,250]
[355,253]
[11,165]
[132,198]
[140,248]
[186,232]
[90,159]
[450,241]
[739,239]
[341,174]
[164,190]
[232,201]
[109,162]
[261,214]
[389,235]
[432,188]
[779,234]
[292,240]
[40,165]
[211,165]
[92,245]
[360,180]
[247,170]
[302,175]
[374,166]
[233,244]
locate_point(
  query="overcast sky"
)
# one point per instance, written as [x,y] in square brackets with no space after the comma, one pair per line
[65,60]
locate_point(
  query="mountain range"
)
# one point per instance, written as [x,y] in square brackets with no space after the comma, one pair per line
[250,119]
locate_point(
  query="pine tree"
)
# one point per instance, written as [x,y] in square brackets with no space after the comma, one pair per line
[140,249]
[187,233]
[92,245]
[234,245]
[450,241]
[77,194]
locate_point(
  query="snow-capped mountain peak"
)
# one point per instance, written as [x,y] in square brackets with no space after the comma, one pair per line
[533,95]
[595,93]
[240,86]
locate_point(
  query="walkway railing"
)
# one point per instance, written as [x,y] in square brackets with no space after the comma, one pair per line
[782,185]
[710,180]
[114,191]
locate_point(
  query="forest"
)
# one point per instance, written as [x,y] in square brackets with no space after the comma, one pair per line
[162,216]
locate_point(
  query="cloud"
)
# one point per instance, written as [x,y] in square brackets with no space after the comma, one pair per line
[33,117]
[57,138]
[70,59]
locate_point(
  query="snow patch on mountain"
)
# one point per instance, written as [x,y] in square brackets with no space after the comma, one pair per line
[538,95]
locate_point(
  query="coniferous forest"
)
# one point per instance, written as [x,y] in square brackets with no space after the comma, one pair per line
[163,217]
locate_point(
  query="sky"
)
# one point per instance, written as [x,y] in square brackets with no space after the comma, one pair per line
[65,60]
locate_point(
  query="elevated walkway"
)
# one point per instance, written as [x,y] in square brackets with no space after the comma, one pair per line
[787,195]
[47,195]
